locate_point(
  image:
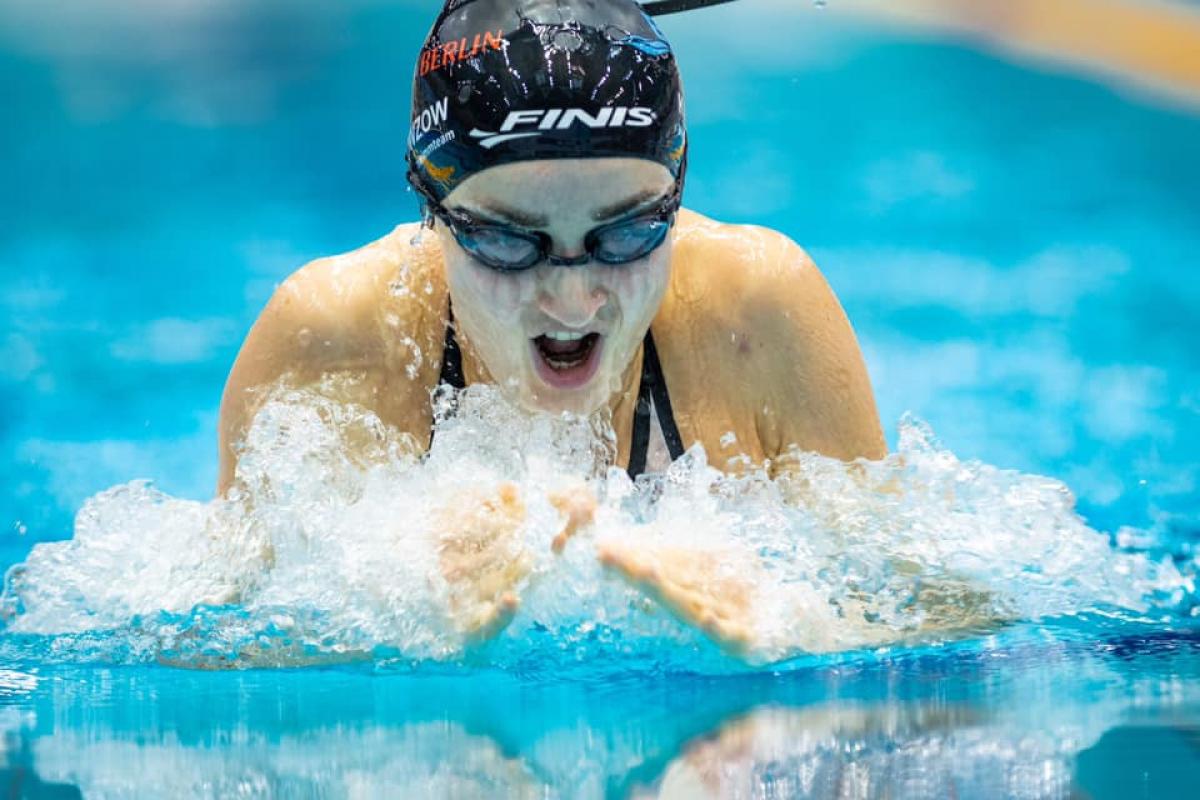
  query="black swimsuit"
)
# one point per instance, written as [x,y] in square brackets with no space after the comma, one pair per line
[653,387]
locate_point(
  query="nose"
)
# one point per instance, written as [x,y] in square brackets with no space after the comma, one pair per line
[569,296]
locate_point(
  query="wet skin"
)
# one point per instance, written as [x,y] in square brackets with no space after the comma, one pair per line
[752,342]
[508,316]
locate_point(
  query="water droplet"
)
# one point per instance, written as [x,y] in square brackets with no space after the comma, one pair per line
[567,40]
[413,367]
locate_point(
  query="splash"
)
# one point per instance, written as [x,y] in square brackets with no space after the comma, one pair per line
[333,548]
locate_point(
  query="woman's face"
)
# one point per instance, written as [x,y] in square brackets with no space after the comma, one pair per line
[558,338]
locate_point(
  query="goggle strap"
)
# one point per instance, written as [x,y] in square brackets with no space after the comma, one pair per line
[661,7]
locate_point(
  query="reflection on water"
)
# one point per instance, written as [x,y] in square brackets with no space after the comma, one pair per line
[1042,719]
[901,750]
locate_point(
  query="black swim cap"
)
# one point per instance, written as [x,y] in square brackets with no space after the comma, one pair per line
[500,81]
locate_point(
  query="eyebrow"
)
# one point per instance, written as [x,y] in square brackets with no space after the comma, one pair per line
[515,216]
[624,206]
[528,220]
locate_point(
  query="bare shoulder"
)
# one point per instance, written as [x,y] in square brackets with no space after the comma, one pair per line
[757,268]
[770,328]
[351,289]
[363,325]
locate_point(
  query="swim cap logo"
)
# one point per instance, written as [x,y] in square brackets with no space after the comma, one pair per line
[561,119]
[443,55]
[429,119]
[443,175]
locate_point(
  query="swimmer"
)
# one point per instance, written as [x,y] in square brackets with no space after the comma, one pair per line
[548,146]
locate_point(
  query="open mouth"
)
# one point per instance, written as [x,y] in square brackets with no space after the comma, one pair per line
[566,360]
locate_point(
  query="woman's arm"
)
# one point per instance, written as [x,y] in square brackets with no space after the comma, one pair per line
[337,327]
[811,383]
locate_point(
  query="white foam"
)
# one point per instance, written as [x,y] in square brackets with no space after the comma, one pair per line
[321,555]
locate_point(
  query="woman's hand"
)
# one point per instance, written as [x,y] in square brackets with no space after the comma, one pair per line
[482,553]
[709,589]
[482,556]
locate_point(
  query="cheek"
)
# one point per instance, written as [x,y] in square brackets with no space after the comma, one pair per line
[485,291]
[639,287]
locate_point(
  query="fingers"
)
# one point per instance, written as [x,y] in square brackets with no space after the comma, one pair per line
[482,558]
[632,564]
[578,505]
[694,586]
[490,618]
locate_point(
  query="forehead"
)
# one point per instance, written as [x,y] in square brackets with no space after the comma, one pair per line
[583,184]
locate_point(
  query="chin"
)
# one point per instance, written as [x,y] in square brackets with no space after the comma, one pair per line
[550,401]
[583,400]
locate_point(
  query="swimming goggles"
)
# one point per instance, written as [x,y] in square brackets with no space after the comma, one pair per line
[508,249]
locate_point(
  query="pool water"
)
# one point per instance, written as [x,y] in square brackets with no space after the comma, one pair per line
[1011,241]
[1114,718]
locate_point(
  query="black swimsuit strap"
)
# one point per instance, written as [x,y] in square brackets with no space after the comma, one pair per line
[452,371]
[652,386]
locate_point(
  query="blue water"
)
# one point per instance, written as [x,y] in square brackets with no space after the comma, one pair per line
[1012,241]
[1115,718]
